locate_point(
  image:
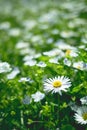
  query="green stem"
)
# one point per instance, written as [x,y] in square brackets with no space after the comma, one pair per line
[22,119]
[58,112]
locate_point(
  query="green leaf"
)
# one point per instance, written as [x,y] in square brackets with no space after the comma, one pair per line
[67,127]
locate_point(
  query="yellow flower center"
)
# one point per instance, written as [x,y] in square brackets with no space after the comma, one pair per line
[57,83]
[68,52]
[78,67]
[84,116]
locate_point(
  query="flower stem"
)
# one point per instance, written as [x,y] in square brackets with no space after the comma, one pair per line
[58,112]
[22,119]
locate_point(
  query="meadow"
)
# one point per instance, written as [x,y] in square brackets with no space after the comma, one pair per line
[43,65]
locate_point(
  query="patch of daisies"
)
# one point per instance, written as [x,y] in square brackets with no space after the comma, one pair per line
[42,42]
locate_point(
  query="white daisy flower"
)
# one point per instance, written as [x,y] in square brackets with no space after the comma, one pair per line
[82,46]
[27,51]
[43,26]
[30,63]
[63,46]
[57,84]
[73,106]
[48,17]
[41,64]
[4,25]
[84,100]
[37,55]
[26,100]
[27,58]
[57,129]
[30,57]
[67,62]
[53,52]
[25,79]
[72,53]
[14,32]
[84,40]
[67,34]
[4,67]
[81,115]
[38,96]
[13,74]
[36,38]
[29,24]
[55,31]
[79,65]
[49,40]
[22,45]
[54,60]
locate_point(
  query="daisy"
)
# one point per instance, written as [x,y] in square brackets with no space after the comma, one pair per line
[25,79]
[30,63]
[22,45]
[13,74]
[26,100]
[73,106]
[84,100]
[55,31]
[72,53]
[53,52]
[38,96]
[43,26]
[5,67]
[27,57]
[49,40]
[29,24]
[54,60]
[63,46]
[81,115]
[41,64]
[79,65]
[26,51]
[48,17]
[57,84]
[4,25]
[36,38]
[14,32]
[67,34]
[67,62]
[82,46]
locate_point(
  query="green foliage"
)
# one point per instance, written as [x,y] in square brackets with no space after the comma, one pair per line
[67,127]
[42,40]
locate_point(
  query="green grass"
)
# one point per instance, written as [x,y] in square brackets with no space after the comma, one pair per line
[43,26]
